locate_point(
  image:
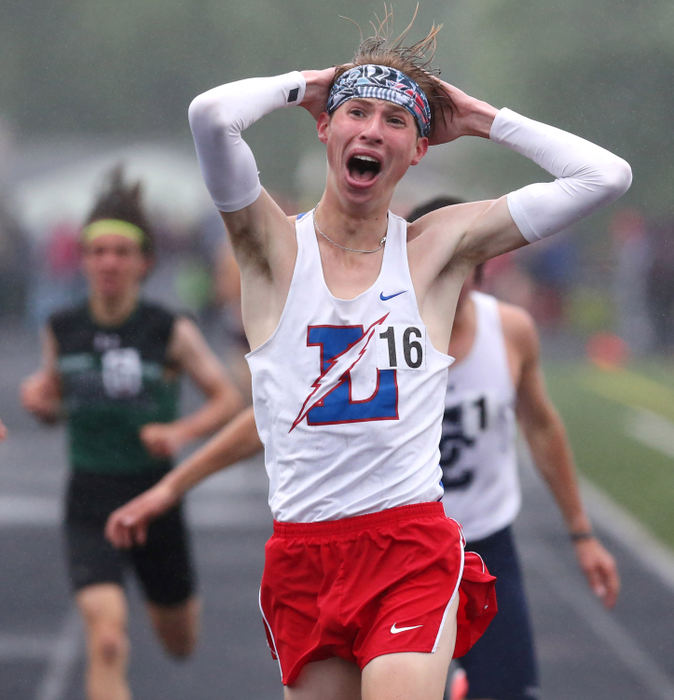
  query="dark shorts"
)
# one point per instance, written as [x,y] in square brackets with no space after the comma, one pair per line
[163,565]
[502,664]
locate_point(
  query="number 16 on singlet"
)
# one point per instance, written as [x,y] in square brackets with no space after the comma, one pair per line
[397,347]
[401,347]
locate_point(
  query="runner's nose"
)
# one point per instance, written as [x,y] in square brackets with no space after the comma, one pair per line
[372,130]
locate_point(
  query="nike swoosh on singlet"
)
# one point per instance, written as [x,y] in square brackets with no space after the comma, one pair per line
[398,630]
[386,297]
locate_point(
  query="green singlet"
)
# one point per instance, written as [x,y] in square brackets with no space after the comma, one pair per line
[114,381]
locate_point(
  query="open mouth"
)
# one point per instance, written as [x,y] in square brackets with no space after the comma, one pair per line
[363,168]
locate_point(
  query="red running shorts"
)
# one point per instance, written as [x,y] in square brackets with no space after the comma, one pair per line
[370,585]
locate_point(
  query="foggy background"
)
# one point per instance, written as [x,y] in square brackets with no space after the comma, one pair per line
[87,84]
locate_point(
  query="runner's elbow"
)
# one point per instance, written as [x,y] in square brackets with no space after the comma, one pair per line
[212,112]
[202,111]
[616,178]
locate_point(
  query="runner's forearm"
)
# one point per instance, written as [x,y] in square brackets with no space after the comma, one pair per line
[552,456]
[217,410]
[588,176]
[236,441]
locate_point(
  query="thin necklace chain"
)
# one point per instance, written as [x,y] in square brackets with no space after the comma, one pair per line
[343,247]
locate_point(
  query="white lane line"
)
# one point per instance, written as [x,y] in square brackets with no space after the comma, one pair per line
[651,429]
[205,511]
[657,557]
[65,651]
[611,634]
[25,646]
[216,514]
[223,499]
[31,511]
[610,516]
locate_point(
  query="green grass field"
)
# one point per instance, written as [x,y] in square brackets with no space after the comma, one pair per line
[621,424]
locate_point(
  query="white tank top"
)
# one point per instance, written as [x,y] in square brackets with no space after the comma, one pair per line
[478,445]
[348,394]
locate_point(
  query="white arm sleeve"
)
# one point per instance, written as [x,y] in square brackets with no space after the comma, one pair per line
[588,176]
[218,117]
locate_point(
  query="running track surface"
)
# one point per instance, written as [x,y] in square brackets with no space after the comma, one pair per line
[585,652]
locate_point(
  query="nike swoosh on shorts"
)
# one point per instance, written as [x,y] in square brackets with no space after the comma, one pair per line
[398,630]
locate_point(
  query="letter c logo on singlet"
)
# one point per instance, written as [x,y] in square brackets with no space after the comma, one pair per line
[330,401]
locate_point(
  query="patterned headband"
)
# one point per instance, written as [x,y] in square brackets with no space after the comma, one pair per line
[382,83]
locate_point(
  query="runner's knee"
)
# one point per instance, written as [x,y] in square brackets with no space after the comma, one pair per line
[177,628]
[108,644]
[180,644]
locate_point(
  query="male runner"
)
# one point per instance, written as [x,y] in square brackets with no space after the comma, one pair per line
[112,367]
[495,382]
[494,385]
[348,313]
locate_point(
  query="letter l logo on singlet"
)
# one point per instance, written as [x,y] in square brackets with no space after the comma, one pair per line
[341,348]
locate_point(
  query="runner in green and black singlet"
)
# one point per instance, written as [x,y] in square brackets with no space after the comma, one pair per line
[115,379]
[111,367]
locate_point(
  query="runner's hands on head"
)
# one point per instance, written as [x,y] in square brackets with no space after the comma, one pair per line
[127,526]
[317,90]
[469,116]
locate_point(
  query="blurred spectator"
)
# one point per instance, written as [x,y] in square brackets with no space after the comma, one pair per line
[506,278]
[14,256]
[193,285]
[660,287]
[225,297]
[553,267]
[634,260]
[56,278]
[227,288]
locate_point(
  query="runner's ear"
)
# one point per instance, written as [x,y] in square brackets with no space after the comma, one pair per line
[421,150]
[322,127]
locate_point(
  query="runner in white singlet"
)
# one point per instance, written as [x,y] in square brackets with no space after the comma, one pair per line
[389,636]
[494,388]
[394,387]
[478,449]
